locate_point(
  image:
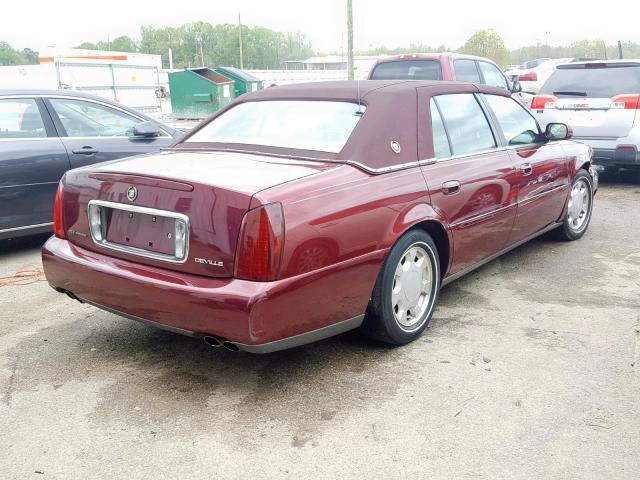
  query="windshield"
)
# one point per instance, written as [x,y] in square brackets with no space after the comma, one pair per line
[305,125]
[599,82]
[408,70]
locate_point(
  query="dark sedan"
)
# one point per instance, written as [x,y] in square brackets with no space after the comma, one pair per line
[44,133]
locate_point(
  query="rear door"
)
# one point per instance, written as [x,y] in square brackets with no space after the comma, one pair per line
[598,100]
[95,132]
[32,161]
[541,175]
[469,182]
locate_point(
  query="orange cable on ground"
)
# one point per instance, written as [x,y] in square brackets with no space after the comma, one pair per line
[25,275]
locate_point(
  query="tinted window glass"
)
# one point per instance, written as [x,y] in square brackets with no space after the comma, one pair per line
[517,124]
[468,128]
[492,75]
[440,142]
[408,70]
[603,82]
[306,125]
[20,118]
[466,71]
[88,119]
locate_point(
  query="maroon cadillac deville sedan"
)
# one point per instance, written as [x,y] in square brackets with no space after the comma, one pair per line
[300,212]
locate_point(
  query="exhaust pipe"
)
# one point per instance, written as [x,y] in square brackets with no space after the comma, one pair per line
[220,342]
[212,341]
[230,346]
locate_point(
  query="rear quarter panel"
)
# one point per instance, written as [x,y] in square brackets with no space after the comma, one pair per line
[345,214]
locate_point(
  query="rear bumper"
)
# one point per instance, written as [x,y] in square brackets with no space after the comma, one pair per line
[258,317]
[614,157]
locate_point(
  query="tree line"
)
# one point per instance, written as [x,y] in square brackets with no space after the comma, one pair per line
[198,43]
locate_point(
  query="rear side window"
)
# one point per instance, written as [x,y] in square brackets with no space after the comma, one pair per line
[441,147]
[408,70]
[492,75]
[518,126]
[468,128]
[600,81]
[466,71]
[20,118]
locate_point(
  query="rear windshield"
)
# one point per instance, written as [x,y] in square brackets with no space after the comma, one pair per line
[594,82]
[408,70]
[299,124]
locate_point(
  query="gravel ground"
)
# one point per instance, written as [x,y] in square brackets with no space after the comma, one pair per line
[529,369]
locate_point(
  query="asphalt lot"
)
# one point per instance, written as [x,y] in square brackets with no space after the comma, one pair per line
[529,369]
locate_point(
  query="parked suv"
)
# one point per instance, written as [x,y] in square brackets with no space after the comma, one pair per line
[442,66]
[600,101]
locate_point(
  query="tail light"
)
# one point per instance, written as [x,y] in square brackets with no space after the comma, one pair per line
[540,102]
[528,77]
[260,244]
[58,227]
[626,101]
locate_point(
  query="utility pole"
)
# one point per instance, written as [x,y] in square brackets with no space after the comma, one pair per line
[199,40]
[350,39]
[240,41]
[619,50]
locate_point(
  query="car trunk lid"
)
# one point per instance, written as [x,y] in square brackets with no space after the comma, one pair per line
[176,210]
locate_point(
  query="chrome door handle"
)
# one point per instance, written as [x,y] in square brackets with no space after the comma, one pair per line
[85,151]
[526,169]
[451,187]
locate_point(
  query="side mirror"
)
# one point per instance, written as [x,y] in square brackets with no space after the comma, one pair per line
[558,131]
[146,129]
[516,87]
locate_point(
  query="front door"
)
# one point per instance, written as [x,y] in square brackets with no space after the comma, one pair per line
[94,132]
[542,173]
[32,162]
[470,183]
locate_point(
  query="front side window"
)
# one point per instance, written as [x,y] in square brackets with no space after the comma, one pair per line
[492,75]
[441,147]
[306,125]
[468,128]
[88,119]
[466,71]
[20,118]
[408,70]
[518,126]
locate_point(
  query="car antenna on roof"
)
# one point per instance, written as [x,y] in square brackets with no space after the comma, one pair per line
[359,112]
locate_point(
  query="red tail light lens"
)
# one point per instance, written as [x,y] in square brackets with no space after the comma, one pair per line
[626,100]
[58,228]
[541,102]
[528,77]
[260,244]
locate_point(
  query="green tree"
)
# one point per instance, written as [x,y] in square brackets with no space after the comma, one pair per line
[11,56]
[487,43]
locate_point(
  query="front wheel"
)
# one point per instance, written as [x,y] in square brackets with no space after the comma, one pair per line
[579,208]
[406,290]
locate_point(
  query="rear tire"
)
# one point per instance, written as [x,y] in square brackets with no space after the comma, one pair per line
[579,209]
[405,292]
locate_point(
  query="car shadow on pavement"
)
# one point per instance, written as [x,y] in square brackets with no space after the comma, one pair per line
[17,245]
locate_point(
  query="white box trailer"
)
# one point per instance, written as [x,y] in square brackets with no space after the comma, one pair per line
[122,81]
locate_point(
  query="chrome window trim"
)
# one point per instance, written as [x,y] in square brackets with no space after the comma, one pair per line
[27,227]
[94,210]
[91,100]
[29,184]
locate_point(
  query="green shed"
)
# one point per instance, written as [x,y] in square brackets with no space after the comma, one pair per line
[198,92]
[244,82]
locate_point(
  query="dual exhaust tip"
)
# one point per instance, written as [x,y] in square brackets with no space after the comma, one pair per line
[219,342]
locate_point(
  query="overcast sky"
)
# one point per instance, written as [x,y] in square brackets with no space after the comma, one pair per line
[65,23]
